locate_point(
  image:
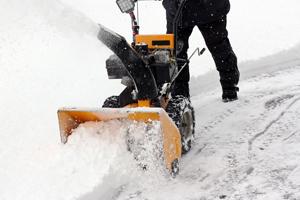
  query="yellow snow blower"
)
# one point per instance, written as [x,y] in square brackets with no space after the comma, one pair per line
[148,69]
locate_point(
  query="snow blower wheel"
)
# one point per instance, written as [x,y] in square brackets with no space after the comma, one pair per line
[182,113]
[111,102]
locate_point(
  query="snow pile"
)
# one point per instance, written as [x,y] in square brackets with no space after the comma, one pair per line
[99,159]
[49,57]
[138,165]
[96,154]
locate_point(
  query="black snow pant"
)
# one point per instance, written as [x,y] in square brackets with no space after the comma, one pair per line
[216,38]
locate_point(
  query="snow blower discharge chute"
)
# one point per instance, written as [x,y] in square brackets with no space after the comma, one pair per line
[148,68]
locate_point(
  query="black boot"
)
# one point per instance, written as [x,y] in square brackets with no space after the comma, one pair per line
[230,94]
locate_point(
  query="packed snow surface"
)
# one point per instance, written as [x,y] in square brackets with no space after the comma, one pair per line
[50,57]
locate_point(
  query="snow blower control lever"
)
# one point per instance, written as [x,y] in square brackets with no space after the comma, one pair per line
[167,87]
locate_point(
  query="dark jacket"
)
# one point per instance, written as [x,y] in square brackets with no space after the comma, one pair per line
[197,11]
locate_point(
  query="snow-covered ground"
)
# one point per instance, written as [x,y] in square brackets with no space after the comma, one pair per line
[50,57]
[248,149]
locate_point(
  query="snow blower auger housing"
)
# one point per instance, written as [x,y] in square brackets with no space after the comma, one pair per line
[148,69]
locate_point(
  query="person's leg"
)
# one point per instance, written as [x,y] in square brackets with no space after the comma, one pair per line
[181,86]
[216,37]
[171,7]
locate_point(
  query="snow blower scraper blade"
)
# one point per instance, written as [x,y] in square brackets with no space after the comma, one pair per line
[71,118]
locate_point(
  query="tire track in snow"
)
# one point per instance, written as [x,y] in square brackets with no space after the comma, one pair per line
[270,124]
[219,119]
[273,165]
[293,134]
[233,183]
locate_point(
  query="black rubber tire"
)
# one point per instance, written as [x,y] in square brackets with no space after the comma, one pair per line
[111,102]
[182,113]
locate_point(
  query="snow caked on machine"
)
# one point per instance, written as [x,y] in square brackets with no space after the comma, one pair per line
[148,68]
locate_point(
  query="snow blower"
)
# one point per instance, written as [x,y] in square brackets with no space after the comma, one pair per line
[148,69]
